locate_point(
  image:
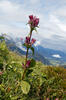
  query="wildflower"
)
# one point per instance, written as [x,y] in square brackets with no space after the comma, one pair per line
[33,22]
[33,41]
[27,41]
[36,21]
[31,17]
[28,63]
[1,73]
[47,99]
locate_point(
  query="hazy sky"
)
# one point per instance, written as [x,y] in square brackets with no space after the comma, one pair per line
[52,13]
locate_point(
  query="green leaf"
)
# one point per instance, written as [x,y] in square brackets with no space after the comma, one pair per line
[25,86]
[35,29]
[27,46]
[33,63]
[41,81]
[24,44]
[32,50]
[1,66]
[1,37]
[29,71]
[14,98]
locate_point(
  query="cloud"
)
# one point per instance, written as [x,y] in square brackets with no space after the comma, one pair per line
[13,18]
[34,1]
[56,56]
[37,43]
[58,23]
[57,37]
[52,32]
[12,11]
[61,11]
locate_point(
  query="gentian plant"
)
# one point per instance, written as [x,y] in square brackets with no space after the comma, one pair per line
[29,41]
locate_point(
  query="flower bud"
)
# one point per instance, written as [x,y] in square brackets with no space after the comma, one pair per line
[33,22]
[27,41]
[28,63]
[33,41]
[31,17]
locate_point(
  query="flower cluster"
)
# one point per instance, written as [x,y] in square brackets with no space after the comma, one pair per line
[33,21]
[28,42]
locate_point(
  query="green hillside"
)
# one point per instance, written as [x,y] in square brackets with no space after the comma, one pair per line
[41,81]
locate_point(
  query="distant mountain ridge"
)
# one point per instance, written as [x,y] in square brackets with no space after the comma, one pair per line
[49,52]
[37,56]
[45,55]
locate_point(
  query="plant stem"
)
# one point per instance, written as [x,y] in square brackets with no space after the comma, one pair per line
[24,74]
[25,65]
[26,56]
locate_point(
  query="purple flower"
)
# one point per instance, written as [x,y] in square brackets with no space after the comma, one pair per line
[33,22]
[33,41]
[27,41]
[31,17]
[28,63]
[47,99]
[1,73]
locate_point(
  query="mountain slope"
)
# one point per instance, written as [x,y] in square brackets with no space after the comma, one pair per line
[54,55]
[45,55]
[51,80]
[37,56]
